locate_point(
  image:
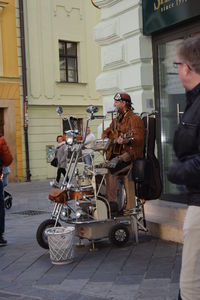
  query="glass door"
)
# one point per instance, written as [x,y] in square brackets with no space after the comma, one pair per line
[170,101]
[172,104]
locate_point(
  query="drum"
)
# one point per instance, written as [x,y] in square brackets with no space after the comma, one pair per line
[76,193]
[101,144]
[102,209]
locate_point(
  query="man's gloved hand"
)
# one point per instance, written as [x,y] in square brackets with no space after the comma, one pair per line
[112,163]
[103,136]
[125,157]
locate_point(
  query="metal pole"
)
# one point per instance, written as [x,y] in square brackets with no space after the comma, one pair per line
[25,93]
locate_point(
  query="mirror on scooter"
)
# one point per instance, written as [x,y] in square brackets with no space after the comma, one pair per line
[59,110]
[91,109]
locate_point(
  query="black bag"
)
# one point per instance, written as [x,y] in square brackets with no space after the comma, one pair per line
[146,170]
[146,174]
[141,170]
[54,162]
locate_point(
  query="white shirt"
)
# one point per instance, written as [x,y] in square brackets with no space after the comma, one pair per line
[90,138]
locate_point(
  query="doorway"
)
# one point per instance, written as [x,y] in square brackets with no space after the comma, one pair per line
[170,101]
[1,121]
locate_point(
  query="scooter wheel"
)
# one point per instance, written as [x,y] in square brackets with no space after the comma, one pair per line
[119,235]
[8,203]
[41,235]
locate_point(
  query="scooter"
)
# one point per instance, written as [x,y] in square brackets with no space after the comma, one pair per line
[85,205]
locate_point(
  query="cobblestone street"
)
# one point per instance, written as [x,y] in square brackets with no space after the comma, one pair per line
[148,270]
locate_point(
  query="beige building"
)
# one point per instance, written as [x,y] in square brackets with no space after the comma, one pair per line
[10,107]
[62,63]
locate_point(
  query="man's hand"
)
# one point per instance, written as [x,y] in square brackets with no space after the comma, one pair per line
[111,164]
[125,157]
[103,136]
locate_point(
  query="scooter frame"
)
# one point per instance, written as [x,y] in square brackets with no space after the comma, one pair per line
[118,229]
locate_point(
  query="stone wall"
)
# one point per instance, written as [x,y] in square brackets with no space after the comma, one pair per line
[126,55]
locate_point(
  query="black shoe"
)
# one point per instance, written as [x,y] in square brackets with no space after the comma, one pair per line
[3,242]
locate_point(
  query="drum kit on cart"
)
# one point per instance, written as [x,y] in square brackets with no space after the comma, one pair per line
[82,202]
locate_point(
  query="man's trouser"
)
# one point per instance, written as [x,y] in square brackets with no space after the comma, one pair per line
[129,185]
[87,159]
[190,269]
[59,172]
[114,190]
[179,295]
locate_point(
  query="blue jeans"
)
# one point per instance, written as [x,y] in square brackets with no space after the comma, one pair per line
[87,159]
[2,209]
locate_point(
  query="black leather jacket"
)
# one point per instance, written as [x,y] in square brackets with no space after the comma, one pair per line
[187,149]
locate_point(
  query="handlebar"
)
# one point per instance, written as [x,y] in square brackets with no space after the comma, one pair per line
[97,117]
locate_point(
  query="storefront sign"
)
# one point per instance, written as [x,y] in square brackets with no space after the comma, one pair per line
[161,14]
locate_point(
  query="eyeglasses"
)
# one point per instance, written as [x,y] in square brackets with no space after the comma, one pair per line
[175,64]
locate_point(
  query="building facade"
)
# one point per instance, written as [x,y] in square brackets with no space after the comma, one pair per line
[62,63]
[10,106]
[138,42]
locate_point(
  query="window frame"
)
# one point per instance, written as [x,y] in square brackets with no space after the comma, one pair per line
[66,57]
[80,124]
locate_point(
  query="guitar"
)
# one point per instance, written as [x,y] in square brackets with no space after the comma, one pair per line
[115,148]
[146,170]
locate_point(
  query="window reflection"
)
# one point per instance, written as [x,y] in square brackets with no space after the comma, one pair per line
[171,94]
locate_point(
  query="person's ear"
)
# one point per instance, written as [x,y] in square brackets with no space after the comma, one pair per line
[186,69]
[124,104]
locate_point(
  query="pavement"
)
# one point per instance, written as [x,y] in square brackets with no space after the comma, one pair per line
[148,270]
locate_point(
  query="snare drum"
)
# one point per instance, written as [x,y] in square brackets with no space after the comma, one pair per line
[101,144]
[78,194]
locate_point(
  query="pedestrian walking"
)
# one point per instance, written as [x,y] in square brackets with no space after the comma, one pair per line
[5,160]
[186,171]
[61,154]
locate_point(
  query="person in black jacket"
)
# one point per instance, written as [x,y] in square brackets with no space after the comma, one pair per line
[186,171]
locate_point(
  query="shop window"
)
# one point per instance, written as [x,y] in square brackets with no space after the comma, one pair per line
[68,61]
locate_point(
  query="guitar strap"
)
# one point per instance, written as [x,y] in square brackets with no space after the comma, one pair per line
[122,116]
[147,137]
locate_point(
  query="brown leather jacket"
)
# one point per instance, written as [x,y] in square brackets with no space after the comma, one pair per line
[132,126]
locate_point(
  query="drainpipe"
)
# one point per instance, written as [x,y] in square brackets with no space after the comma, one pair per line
[25,93]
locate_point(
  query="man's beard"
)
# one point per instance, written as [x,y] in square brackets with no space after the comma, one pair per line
[113,110]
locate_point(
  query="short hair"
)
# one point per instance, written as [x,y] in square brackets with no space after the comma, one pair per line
[189,51]
[58,137]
